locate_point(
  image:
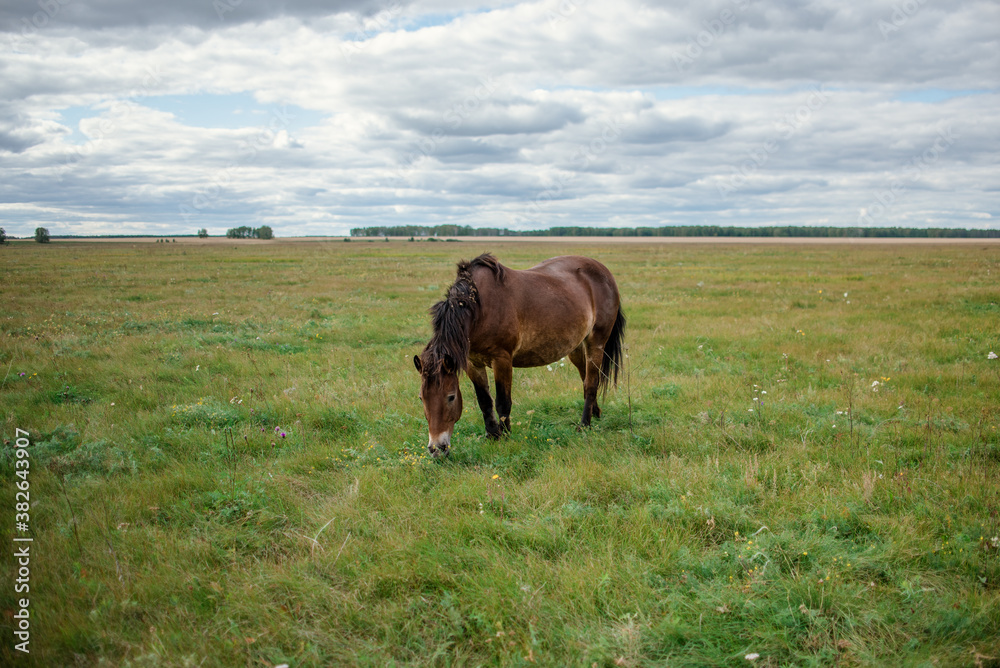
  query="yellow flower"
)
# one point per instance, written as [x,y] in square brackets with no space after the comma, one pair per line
[495,476]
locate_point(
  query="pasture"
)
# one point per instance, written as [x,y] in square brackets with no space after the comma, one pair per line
[228,461]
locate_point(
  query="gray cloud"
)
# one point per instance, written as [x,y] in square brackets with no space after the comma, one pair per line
[30,16]
[524,115]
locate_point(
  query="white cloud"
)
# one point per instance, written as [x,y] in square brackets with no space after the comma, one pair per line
[527,115]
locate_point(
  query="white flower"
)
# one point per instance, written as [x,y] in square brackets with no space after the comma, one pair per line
[991,356]
[752,656]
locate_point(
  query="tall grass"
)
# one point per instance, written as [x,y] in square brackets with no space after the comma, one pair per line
[229,468]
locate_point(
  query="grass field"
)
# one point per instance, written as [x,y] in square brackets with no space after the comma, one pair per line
[228,462]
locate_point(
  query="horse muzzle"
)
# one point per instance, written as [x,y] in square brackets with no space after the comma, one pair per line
[439,445]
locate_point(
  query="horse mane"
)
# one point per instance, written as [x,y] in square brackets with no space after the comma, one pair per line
[452,317]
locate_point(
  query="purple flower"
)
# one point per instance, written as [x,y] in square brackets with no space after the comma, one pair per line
[282,434]
[21,374]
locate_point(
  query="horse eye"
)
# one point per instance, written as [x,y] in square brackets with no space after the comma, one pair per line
[451,397]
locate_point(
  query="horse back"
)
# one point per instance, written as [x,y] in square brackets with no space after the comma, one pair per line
[541,314]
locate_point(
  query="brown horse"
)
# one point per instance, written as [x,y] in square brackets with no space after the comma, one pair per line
[502,318]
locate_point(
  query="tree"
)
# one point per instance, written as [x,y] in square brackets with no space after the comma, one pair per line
[41,235]
[264,232]
[202,233]
[241,232]
[3,236]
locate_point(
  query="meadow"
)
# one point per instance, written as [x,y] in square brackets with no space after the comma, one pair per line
[228,462]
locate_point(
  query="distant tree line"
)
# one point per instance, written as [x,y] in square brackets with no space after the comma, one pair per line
[435,231]
[678,231]
[245,232]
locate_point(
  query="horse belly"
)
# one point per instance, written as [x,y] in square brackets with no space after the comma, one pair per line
[528,358]
[546,347]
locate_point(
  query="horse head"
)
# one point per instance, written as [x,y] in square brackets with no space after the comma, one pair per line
[442,399]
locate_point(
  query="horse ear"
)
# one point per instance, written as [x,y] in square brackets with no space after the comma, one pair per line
[417,363]
[448,364]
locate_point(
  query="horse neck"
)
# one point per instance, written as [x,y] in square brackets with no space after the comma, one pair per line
[454,318]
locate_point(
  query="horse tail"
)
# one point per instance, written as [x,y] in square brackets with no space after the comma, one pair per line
[612,361]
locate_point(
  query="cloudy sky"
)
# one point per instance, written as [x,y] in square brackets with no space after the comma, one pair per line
[120,116]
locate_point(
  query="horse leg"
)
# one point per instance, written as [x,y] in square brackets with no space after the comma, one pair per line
[477,374]
[503,374]
[591,381]
[579,359]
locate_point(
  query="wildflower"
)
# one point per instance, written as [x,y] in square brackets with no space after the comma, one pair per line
[23,374]
[991,356]
[282,434]
[753,656]
[496,476]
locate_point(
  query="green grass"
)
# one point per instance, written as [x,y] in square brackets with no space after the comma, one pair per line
[228,462]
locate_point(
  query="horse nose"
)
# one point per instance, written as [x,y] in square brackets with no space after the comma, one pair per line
[439,446]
